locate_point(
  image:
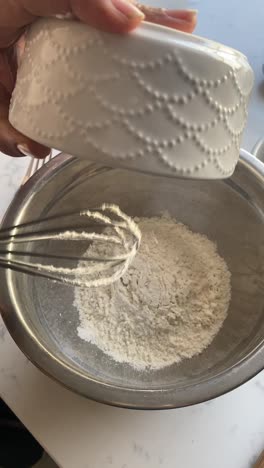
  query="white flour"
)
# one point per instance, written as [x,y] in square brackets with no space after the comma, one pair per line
[112,263]
[169,305]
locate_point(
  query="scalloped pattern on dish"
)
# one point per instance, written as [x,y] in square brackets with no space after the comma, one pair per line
[89,93]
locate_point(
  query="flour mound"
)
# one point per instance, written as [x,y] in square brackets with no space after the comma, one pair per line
[168,306]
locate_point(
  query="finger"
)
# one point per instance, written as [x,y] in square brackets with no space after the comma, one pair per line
[7,69]
[117,16]
[13,142]
[110,15]
[183,20]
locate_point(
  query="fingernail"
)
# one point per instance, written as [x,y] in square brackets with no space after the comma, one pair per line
[24,149]
[183,15]
[193,14]
[128,9]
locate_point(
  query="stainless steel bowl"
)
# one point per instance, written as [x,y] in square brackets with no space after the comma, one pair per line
[42,319]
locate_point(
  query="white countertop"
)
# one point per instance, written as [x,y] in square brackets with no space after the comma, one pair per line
[225,433]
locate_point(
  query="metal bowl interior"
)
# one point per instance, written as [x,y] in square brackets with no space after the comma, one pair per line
[42,319]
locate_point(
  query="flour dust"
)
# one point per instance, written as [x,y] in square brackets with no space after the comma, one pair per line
[168,306]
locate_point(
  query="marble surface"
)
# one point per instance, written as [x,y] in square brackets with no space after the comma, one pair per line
[227,432]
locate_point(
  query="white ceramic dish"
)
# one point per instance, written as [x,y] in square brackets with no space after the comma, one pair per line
[156,100]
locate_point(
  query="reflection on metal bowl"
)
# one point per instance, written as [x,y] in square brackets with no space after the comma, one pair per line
[42,319]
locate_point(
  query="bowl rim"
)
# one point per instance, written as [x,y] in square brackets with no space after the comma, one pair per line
[76,381]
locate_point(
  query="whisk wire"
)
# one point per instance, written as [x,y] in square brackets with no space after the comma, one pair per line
[125,234]
[117,259]
[6,233]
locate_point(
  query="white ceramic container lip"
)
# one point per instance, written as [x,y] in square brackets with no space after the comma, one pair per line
[156,100]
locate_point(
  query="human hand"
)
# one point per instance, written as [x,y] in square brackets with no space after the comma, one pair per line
[115,16]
